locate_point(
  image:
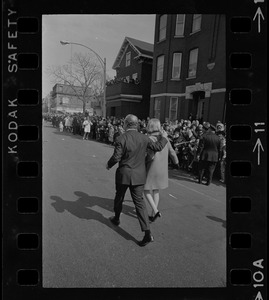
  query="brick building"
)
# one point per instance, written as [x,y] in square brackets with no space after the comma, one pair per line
[65,98]
[46,103]
[188,74]
[129,92]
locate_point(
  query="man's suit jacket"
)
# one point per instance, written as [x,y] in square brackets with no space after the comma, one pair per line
[209,147]
[129,152]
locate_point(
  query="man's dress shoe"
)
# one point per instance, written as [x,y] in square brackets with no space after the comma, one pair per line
[147,239]
[114,221]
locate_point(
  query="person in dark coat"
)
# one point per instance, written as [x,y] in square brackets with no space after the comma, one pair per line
[208,153]
[130,152]
[75,125]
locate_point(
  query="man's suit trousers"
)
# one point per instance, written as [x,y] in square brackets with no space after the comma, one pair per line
[137,197]
[209,167]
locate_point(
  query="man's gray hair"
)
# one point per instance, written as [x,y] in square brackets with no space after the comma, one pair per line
[131,121]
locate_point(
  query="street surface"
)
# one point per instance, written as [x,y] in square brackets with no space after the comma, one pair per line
[81,248]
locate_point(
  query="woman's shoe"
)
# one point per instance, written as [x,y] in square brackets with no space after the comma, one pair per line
[158,214]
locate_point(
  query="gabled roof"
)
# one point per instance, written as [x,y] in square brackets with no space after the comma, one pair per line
[143,49]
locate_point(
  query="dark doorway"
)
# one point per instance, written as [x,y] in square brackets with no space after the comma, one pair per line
[113,111]
[198,107]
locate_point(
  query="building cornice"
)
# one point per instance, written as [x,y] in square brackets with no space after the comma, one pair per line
[214,91]
[168,94]
[222,90]
[123,100]
[124,96]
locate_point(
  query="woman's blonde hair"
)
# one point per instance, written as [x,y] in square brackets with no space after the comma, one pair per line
[154,125]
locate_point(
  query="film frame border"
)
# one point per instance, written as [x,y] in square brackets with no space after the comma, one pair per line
[22,227]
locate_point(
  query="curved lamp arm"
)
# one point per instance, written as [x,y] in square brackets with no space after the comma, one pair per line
[73,43]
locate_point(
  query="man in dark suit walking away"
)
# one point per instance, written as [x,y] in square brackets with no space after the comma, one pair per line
[130,152]
[208,153]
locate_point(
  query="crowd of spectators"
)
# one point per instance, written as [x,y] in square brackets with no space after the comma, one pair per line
[117,80]
[184,135]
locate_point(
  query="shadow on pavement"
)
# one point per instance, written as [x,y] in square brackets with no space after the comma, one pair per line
[89,201]
[217,220]
[81,209]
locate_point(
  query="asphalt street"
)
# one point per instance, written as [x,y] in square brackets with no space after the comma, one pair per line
[81,248]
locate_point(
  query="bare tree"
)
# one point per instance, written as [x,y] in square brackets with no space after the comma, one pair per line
[83,74]
[98,85]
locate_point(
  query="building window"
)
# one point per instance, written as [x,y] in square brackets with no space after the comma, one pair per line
[157,108]
[180,25]
[65,100]
[162,27]
[60,89]
[176,65]
[160,65]
[173,108]
[196,22]
[193,59]
[128,59]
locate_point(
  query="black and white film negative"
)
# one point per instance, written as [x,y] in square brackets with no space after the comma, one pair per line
[71,73]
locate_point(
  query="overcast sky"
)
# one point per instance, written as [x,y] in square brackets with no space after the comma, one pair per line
[103,33]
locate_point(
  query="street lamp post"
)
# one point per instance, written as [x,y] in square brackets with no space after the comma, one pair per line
[103,64]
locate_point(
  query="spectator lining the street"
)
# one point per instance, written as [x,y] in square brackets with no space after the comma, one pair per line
[87,128]
[181,140]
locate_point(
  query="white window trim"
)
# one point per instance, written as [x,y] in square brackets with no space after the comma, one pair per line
[180,35]
[194,76]
[160,40]
[128,53]
[170,100]
[158,80]
[197,30]
[176,78]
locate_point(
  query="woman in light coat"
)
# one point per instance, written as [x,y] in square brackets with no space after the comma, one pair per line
[87,128]
[157,174]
